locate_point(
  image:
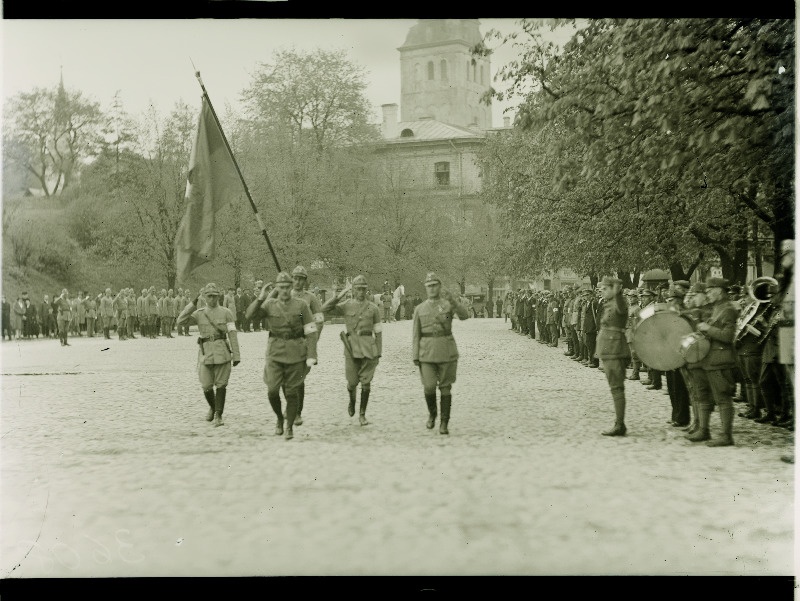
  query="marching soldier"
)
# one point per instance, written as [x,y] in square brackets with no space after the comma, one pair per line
[217,327]
[433,348]
[715,381]
[612,348]
[299,279]
[363,341]
[292,346]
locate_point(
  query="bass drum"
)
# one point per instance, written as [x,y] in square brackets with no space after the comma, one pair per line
[658,336]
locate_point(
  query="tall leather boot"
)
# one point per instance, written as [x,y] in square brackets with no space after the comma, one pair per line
[351,406]
[726,440]
[446,401]
[619,428]
[693,427]
[107,333]
[291,413]
[362,409]
[301,394]
[430,400]
[209,394]
[275,403]
[701,434]
[219,406]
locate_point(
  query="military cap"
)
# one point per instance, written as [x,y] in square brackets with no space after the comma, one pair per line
[609,281]
[647,292]
[360,282]
[432,278]
[676,291]
[211,288]
[698,288]
[299,271]
[717,283]
[682,284]
[283,278]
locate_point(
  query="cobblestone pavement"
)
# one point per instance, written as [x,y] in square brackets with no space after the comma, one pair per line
[110,469]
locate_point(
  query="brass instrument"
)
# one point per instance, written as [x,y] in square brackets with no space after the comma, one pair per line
[760,292]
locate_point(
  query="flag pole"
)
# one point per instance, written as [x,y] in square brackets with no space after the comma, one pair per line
[239,171]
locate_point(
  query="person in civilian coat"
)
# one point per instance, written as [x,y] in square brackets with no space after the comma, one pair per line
[18,317]
[433,348]
[6,317]
[48,319]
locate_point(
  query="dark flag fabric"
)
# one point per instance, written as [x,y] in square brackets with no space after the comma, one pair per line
[213,182]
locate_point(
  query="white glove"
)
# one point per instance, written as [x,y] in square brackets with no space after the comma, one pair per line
[310,362]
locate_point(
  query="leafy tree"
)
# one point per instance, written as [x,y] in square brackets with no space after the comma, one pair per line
[48,132]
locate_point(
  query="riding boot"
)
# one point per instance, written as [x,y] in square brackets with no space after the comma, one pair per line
[291,413]
[219,406]
[351,406]
[619,428]
[430,399]
[301,393]
[275,403]
[726,440]
[701,434]
[209,394]
[446,402]
[362,409]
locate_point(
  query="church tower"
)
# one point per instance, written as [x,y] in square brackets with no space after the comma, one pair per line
[439,77]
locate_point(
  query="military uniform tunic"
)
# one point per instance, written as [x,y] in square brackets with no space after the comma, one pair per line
[214,355]
[433,344]
[364,344]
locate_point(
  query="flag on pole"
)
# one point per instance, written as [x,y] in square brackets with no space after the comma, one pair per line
[213,182]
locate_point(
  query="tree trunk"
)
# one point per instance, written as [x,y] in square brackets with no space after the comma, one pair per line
[734,267]
[490,297]
[593,278]
[757,251]
[625,276]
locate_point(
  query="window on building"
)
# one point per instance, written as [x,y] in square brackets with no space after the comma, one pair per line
[443,69]
[430,69]
[474,71]
[406,133]
[481,74]
[417,75]
[442,171]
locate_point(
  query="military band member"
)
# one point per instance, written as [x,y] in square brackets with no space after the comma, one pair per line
[219,347]
[433,348]
[653,381]
[291,348]
[677,386]
[715,381]
[697,309]
[612,348]
[630,326]
[299,280]
[364,341]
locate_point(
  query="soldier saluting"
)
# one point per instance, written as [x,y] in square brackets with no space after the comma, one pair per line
[217,326]
[434,349]
[292,346]
[363,341]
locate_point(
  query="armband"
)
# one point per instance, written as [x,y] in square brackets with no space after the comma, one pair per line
[231,326]
[309,328]
[319,317]
[377,328]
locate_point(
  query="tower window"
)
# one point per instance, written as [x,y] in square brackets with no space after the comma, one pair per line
[430,69]
[443,69]
[442,171]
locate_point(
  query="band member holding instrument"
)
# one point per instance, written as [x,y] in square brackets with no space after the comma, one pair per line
[715,380]
[612,348]
[676,378]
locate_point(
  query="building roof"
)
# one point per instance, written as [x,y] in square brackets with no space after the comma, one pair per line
[437,31]
[430,130]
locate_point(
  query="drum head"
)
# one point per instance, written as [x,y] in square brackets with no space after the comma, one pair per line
[657,339]
[694,347]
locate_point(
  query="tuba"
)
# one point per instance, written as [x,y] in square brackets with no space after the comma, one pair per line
[761,292]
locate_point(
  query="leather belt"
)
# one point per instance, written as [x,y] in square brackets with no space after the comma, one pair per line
[289,336]
[214,337]
[613,329]
[361,333]
[435,334]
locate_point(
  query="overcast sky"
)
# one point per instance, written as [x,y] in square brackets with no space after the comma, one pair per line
[148,61]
